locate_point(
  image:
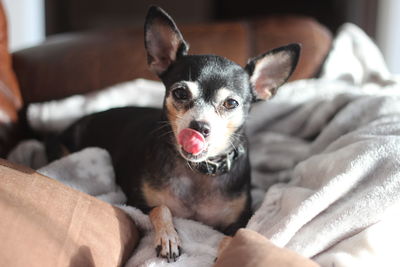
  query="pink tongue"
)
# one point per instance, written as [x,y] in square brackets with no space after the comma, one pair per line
[192,141]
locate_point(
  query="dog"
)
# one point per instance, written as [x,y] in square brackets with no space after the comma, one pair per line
[190,158]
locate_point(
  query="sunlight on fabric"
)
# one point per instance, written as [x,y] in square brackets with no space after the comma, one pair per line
[388,33]
[25,22]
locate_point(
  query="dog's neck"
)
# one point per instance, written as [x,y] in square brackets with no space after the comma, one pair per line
[220,164]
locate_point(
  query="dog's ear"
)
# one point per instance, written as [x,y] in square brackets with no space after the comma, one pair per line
[272,69]
[163,40]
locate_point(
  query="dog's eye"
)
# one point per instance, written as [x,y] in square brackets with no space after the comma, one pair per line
[230,103]
[181,94]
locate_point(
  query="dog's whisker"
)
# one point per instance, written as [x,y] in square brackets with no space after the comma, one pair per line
[189,165]
[239,135]
[208,167]
[234,147]
[217,111]
[164,125]
[166,133]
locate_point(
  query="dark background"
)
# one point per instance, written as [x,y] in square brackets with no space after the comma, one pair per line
[77,15]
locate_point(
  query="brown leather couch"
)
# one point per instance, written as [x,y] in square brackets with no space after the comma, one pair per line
[44,223]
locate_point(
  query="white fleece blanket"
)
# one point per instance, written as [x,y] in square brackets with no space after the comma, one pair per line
[325,155]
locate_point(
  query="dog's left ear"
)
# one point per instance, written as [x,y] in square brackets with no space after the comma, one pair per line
[163,40]
[272,69]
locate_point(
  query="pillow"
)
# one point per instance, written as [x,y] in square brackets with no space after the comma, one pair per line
[45,223]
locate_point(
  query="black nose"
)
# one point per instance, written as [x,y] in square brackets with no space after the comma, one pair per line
[201,126]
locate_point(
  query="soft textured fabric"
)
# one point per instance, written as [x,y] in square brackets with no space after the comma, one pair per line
[44,223]
[326,152]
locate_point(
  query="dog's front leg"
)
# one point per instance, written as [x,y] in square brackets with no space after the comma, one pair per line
[167,242]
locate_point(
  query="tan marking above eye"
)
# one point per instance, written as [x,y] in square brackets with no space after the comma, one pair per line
[192,88]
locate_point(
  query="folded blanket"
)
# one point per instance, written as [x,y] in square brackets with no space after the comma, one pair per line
[52,116]
[325,159]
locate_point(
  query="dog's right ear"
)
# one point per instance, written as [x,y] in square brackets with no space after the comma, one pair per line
[163,40]
[270,70]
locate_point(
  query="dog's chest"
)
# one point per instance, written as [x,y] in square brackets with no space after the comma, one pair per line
[197,197]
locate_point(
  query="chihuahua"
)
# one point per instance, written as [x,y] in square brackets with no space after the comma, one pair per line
[190,158]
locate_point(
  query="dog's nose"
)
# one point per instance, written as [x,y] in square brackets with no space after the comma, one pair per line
[201,126]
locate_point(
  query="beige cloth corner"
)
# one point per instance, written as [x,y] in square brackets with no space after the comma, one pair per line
[250,249]
[45,223]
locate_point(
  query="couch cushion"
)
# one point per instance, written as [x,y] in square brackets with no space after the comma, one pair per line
[275,31]
[45,223]
[75,63]
[10,97]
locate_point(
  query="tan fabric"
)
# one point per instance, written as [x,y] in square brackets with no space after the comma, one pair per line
[250,249]
[44,223]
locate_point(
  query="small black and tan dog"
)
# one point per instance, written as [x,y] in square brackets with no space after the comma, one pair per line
[189,159]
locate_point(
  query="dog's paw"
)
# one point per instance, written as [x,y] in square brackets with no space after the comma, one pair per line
[168,244]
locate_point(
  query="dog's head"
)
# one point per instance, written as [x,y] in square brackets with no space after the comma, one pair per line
[208,97]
